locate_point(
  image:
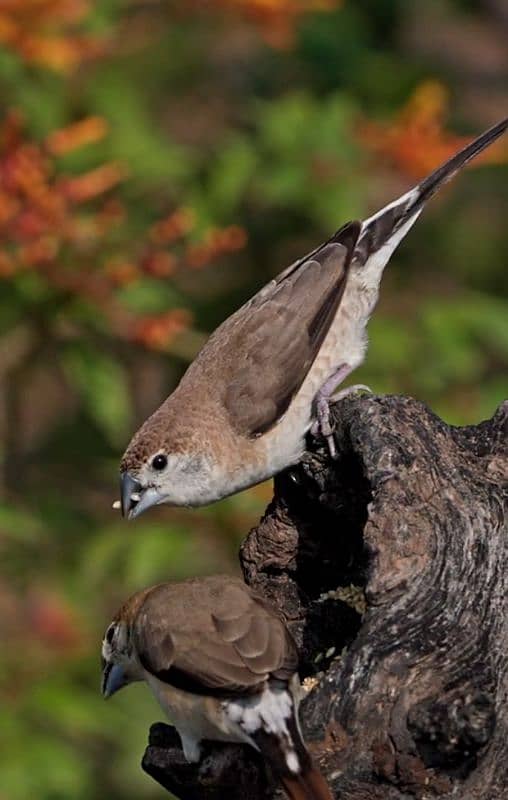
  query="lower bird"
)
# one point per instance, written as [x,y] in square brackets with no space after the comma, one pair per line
[243,408]
[222,665]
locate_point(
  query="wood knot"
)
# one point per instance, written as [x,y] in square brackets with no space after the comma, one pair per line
[448,733]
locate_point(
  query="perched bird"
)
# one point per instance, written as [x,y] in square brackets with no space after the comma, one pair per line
[243,408]
[222,665]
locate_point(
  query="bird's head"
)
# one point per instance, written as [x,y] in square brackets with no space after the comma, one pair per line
[120,665]
[164,464]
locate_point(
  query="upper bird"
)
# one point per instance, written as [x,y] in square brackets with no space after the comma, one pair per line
[222,665]
[241,411]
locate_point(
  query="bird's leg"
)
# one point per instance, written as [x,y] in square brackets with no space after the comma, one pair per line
[325,397]
[322,423]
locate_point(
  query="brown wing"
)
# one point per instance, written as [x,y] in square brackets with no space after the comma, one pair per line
[278,337]
[212,636]
[265,350]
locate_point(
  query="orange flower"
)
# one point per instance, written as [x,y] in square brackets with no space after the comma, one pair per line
[41,251]
[159,264]
[277,19]
[217,241]
[233,238]
[122,273]
[9,207]
[93,183]
[86,131]
[417,141]
[43,32]
[157,332]
[197,256]
[44,228]
[173,227]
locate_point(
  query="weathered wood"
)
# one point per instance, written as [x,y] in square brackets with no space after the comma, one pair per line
[396,556]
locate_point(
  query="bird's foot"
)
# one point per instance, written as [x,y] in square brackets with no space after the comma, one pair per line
[357,387]
[322,424]
[324,399]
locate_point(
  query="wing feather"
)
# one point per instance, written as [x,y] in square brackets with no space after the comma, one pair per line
[213,636]
[265,350]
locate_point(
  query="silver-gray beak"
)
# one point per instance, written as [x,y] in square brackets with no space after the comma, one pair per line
[130,493]
[113,678]
[135,499]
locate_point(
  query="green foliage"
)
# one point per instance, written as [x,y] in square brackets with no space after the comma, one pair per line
[148,297]
[310,160]
[103,388]
[150,155]
[456,345]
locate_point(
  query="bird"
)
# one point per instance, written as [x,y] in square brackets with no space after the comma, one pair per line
[268,374]
[222,665]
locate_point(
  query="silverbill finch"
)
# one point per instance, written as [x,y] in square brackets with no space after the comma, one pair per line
[222,665]
[266,376]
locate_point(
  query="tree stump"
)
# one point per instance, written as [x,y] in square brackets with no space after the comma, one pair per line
[391,566]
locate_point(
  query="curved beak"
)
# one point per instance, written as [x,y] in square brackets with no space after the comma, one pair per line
[134,499]
[113,678]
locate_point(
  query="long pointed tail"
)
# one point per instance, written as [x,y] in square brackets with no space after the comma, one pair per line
[292,763]
[446,171]
[310,785]
[281,743]
[382,232]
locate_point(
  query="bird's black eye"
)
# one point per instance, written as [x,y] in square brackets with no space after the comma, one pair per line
[159,461]
[110,633]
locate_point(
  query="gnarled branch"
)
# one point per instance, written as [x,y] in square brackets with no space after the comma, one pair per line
[391,565]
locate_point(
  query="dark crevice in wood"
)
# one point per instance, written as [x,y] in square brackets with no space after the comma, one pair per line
[408,526]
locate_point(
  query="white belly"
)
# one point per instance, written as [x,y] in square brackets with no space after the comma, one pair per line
[345,343]
[195,717]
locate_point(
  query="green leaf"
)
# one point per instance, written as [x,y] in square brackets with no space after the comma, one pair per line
[19,525]
[149,297]
[230,176]
[102,384]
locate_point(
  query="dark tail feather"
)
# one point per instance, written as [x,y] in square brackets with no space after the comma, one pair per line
[446,171]
[291,762]
[310,785]
[391,224]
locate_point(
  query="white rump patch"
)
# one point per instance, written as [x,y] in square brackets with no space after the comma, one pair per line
[267,711]
[292,761]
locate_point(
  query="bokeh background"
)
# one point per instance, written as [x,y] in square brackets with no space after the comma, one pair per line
[158,162]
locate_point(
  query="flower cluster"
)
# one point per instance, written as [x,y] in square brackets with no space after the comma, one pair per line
[417,140]
[62,228]
[48,32]
[276,20]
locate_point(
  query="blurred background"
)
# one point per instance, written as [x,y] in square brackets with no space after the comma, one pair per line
[159,161]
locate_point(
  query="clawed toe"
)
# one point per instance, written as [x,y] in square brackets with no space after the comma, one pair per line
[324,398]
[358,387]
[331,446]
[321,427]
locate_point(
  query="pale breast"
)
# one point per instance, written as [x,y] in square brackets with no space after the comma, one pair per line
[195,716]
[345,342]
